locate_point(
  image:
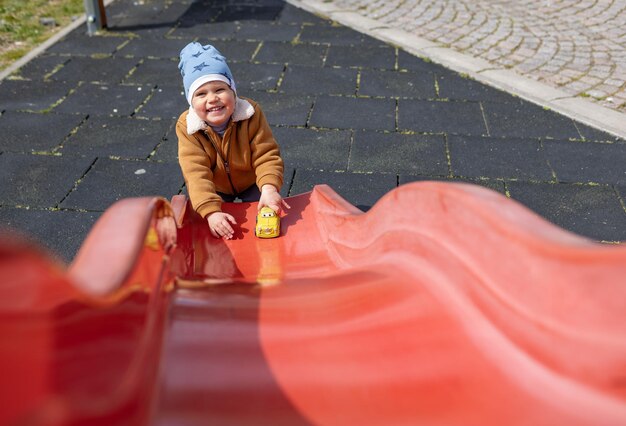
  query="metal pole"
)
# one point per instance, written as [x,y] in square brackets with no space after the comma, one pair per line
[96,16]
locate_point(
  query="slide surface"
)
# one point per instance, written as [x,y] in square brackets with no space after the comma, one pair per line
[444,304]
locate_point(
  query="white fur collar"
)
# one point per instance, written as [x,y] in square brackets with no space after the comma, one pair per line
[243,111]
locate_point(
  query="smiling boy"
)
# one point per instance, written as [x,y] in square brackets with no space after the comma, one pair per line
[226,149]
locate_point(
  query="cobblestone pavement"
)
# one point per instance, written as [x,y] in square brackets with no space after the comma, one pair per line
[578,46]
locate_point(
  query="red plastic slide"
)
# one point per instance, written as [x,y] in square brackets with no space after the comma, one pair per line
[444,304]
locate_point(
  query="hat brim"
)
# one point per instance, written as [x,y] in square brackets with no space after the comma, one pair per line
[206,79]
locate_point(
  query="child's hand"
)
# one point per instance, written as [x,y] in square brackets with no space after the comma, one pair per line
[271,198]
[220,226]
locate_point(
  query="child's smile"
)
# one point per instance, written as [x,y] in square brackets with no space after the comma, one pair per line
[216,112]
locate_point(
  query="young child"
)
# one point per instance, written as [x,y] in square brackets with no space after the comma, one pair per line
[226,149]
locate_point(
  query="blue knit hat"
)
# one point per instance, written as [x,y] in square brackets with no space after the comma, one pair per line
[201,64]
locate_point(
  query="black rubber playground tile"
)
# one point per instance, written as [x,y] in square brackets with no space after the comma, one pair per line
[256,76]
[136,28]
[455,87]
[338,112]
[40,181]
[524,120]
[348,185]
[288,175]
[409,62]
[380,57]
[41,66]
[139,10]
[621,192]
[153,48]
[267,31]
[463,118]
[587,161]
[310,148]
[111,180]
[591,211]
[78,43]
[88,69]
[474,156]
[198,13]
[104,99]
[294,15]
[335,35]
[244,12]
[393,84]
[102,136]
[315,80]
[130,11]
[283,109]
[398,153]
[61,232]
[25,131]
[591,134]
[154,72]
[190,30]
[144,14]
[164,102]
[167,150]
[41,95]
[293,54]
[170,15]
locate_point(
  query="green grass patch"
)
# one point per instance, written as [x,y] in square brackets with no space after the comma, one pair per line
[21,28]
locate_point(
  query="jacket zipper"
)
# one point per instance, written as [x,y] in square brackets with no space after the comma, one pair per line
[226,165]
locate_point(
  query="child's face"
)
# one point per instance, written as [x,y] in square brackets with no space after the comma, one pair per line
[214,102]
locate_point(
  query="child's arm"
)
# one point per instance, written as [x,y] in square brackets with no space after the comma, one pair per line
[195,165]
[271,198]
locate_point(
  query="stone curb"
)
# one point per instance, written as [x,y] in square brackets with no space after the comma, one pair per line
[576,108]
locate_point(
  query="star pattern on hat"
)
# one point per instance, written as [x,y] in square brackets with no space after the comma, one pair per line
[200,67]
[197,54]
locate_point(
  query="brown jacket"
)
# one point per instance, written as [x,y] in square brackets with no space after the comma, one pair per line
[248,146]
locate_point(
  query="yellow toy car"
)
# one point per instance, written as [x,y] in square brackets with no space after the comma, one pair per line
[267,224]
